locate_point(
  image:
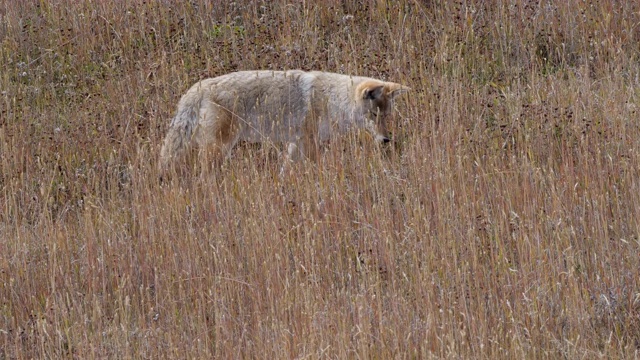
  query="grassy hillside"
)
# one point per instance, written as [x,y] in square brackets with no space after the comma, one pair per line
[503,223]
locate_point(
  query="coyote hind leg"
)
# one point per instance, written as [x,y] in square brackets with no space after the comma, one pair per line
[216,135]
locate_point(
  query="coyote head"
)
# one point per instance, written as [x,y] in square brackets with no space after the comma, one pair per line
[377,103]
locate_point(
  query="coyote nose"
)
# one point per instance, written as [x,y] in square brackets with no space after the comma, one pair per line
[382,139]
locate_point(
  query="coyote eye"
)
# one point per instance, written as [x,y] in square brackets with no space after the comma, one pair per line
[376,114]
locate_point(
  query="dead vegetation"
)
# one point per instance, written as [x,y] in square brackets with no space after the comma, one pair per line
[503,224]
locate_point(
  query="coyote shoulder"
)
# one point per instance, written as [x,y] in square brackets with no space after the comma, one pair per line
[294,107]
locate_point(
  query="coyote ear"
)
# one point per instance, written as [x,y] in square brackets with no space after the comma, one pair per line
[373,93]
[397,89]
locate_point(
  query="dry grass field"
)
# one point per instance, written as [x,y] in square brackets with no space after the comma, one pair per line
[504,221]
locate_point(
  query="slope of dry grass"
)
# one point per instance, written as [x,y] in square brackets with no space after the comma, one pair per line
[504,223]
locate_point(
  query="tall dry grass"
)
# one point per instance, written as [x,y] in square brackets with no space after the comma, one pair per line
[503,224]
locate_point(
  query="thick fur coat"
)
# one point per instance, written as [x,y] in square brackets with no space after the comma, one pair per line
[294,107]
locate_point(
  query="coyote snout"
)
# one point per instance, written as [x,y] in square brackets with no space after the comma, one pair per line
[295,107]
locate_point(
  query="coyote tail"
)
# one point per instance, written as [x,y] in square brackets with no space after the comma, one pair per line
[181,129]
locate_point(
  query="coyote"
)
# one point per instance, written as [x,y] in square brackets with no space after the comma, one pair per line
[298,108]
